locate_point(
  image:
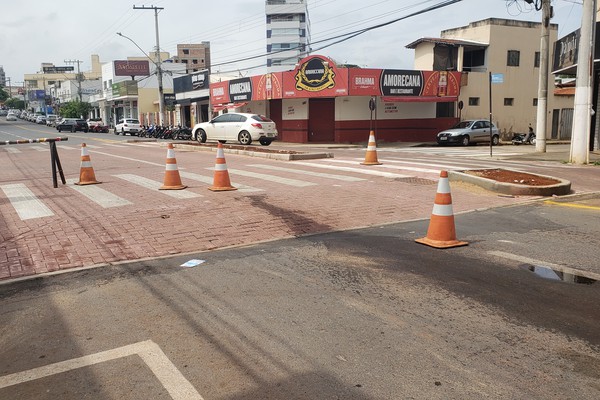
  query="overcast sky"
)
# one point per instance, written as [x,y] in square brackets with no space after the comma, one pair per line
[37,31]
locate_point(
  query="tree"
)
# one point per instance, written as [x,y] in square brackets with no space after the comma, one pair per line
[15,103]
[3,94]
[75,109]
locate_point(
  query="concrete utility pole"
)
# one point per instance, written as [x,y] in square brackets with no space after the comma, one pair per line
[542,107]
[161,100]
[583,91]
[78,77]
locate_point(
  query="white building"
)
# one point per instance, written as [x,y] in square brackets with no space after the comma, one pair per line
[288,33]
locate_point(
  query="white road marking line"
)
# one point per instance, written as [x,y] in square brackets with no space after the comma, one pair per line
[311,173]
[25,203]
[116,145]
[155,185]
[130,159]
[102,197]
[272,178]
[12,150]
[210,181]
[62,146]
[416,169]
[40,148]
[539,263]
[356,170]
[165,371]
[93,146]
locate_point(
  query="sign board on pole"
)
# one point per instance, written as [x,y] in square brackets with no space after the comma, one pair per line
[497,78]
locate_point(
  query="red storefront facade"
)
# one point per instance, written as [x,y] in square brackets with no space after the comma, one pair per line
[319,102]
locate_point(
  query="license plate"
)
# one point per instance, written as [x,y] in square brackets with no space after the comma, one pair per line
[443,138]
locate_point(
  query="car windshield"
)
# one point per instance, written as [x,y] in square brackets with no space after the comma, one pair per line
[132,121]
[462,125]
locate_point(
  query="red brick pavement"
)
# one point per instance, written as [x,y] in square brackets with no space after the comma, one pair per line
[83,234]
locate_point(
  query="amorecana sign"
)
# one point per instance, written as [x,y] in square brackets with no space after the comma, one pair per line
[132,68]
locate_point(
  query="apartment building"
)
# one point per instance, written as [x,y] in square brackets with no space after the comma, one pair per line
[288,33]
[196,56]
[509,50]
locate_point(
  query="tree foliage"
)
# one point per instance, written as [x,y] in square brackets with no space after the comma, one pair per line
[75,109]
[15,103]
[3,94]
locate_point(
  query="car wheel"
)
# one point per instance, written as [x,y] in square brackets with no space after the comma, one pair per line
[201,136]
[59,129]
[72,129]
[85,131]
[116,132]
[495,140]
[244,138]
[465,140]
[265,142]
[123,131]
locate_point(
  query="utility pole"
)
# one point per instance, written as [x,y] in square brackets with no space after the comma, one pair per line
[159,75]
[78,76]
[583,91]
[542,106]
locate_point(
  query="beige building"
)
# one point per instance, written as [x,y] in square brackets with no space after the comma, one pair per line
[195,56]
[509,50]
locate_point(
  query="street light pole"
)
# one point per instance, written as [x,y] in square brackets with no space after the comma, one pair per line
[159,74]
[78,77]
[542,105]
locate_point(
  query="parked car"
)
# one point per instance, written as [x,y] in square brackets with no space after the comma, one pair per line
[11,117]
[241,127]
[469,131]
[40,119]
[128,125]
[72,125]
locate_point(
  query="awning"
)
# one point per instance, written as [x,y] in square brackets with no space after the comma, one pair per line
[219,107]
[415,99]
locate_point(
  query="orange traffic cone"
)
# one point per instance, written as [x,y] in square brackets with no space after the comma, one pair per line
[172,179]
[86,172]
[371,156]
[221,180]
[442,233]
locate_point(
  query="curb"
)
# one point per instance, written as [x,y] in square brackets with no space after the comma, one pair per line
[559,189]
[274,155]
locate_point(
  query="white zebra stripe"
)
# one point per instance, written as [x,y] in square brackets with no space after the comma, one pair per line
[154,185]
[210,180]
[25,203]
[103,198]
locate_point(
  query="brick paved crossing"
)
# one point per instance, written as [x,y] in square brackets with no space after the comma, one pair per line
[127,218]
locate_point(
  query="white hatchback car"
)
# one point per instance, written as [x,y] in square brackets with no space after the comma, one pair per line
[241,127]
[11,117]
[128,125]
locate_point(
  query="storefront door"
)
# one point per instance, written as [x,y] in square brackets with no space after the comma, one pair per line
[321,120]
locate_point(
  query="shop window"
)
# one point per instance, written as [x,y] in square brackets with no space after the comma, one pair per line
[509,101]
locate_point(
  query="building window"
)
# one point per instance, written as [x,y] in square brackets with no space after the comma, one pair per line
[536,60]
[186,51]
[512,59]
[473,101]
[535,102]
[509,101]
[194,61]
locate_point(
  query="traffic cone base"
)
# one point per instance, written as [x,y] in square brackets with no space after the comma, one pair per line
[441,233]
[371,155]
[172,179]
[221,180]
[86,172]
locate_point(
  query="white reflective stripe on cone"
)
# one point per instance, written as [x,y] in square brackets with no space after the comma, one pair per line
[220,167]
[220,153]
[371,148]
[171,167]
[443,186]
[86,164]
[84,151]
[443,210]
[170,153]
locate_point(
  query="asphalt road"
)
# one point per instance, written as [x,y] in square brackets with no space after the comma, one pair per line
[358,314]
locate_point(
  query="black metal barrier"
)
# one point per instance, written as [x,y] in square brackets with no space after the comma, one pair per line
[53,154]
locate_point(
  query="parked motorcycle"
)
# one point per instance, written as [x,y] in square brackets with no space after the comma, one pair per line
[522,138]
